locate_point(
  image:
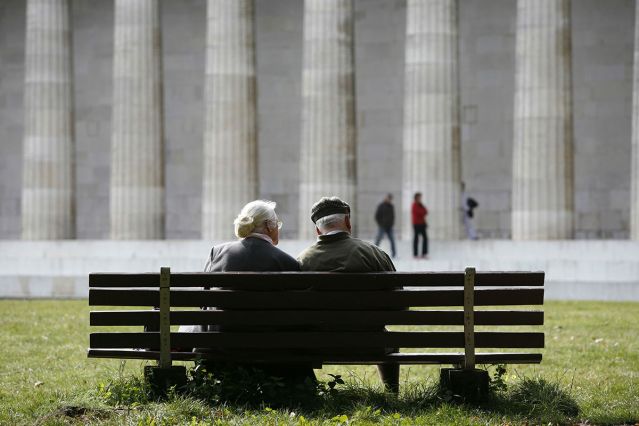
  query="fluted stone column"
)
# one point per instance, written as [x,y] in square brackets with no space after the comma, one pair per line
[327,157]
[634,182]
[431,140]
[48,171]
[542,193]
[230,137]
[137,169]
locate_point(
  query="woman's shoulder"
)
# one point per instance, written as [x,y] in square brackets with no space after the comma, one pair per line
[217,249]
[253,254]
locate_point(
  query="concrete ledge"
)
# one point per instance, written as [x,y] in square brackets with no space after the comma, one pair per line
[579,270]
[43,287]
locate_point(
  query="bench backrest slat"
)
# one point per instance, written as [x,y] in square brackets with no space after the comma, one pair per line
[150,318]
[342,358]
[329,339]
[317,280]
[317,300]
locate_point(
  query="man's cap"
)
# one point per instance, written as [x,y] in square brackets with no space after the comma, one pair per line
[327,206]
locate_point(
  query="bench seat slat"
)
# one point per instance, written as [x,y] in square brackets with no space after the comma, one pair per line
[436,317]
[399,358]
[339,300]
[337,339]
[317,280]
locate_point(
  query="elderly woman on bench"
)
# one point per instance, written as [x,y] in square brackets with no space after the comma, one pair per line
[257,229]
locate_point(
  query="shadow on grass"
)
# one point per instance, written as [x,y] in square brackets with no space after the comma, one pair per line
[531,399]
[243,390]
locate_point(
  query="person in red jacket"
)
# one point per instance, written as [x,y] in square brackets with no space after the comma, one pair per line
[418,213]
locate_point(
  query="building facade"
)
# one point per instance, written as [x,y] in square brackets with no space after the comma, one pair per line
[487,111]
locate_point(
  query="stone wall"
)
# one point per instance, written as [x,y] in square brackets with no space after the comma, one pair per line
[594,270]
[602,78]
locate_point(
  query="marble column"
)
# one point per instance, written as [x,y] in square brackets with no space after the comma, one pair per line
[431,139]
[230,136]
[48,209]
[634,182]
[327,156]
[542,192]
[137,169]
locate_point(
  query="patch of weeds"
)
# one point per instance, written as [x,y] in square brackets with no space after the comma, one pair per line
[252,386]
[367,414]
[126,392]
[537,398]
[497,381]
[202,385]
[215,384]
[419,396]
[330,386]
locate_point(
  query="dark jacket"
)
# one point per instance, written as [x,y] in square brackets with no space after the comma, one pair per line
[253,255]
[343,253]
[249,255]
[385,215]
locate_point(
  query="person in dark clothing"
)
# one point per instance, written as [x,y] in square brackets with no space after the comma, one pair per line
[252,253]
[385,218]
[337,251]
[418,215]
[257,228]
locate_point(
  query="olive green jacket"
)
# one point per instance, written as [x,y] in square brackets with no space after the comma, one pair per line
[343,253]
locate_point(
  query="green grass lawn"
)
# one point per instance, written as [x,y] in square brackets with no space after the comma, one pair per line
[592,351]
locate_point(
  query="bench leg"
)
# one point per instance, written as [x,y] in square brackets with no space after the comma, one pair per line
[470,384]
[389,373]
[162,379]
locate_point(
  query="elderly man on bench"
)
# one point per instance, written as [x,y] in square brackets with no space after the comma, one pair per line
[337,251]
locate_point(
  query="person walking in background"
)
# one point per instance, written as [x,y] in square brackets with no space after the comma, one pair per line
[468,204]
[418,213]
[385,218]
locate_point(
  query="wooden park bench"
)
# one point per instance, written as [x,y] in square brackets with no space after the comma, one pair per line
[319,303]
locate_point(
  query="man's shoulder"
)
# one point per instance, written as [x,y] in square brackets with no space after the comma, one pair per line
[368,246]
[307,251]
[363,243]
[308,258]
[375,252]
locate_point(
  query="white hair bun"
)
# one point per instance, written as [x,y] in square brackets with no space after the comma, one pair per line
[244,225]
[244,220]
[253,216]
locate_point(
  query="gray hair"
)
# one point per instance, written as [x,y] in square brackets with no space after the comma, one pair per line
[330,221]
[252,217]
